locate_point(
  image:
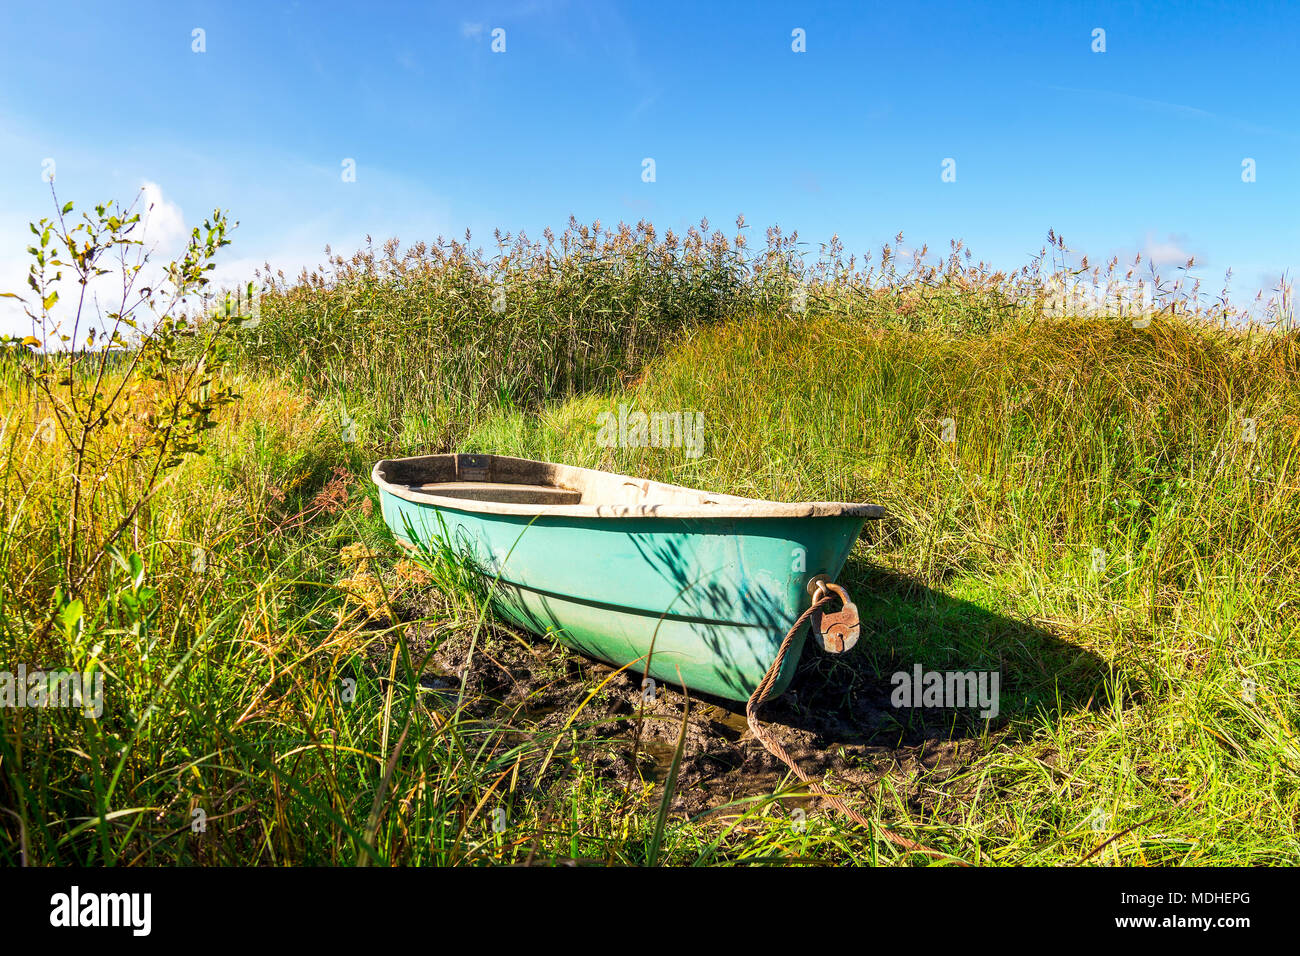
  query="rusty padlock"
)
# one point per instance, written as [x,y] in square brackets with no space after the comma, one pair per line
[836,631]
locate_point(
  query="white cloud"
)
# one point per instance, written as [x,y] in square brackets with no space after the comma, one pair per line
[471,30]
[1170,251]
[163,221]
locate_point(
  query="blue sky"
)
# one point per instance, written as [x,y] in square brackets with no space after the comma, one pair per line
[1139,148]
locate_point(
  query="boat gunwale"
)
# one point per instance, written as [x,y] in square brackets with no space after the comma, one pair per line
[724,506]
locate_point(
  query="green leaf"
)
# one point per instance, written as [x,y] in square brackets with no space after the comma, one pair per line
[71,614]
[136,569]
[67,207]
[49,300]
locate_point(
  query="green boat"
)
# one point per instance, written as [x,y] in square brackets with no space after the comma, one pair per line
[686,586]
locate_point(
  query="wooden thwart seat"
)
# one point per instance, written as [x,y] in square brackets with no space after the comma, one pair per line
[505,492]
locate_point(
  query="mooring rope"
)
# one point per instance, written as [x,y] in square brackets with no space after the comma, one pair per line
[774,747]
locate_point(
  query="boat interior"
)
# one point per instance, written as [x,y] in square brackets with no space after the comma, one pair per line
[503,485]
[495,478]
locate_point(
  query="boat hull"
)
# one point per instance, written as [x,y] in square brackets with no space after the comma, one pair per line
[701,602]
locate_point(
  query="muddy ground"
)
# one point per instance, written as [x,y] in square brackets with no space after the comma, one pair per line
[835,718]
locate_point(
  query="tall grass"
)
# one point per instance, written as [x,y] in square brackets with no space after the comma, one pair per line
[428,337]
[434,334]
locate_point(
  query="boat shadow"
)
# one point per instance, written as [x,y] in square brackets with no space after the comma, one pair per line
[910,629]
